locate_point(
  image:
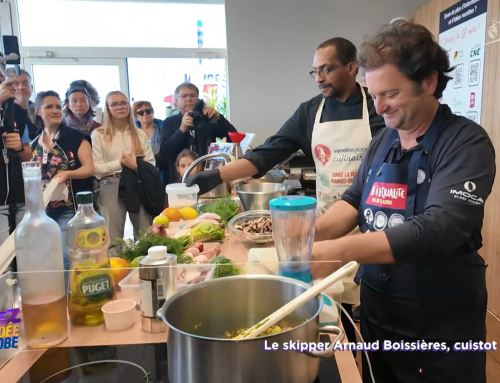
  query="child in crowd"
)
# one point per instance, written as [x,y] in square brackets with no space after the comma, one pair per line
[184,161]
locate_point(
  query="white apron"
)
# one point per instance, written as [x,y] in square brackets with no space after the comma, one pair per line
[338,147]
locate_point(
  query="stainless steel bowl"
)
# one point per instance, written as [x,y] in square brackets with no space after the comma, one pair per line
[256,196]
[199,316]
[273,176]
[250,215]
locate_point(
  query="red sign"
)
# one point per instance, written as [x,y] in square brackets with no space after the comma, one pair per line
[472,99]
[391,196]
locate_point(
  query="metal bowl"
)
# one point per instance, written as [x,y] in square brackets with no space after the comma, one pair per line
[273,176]
[256,196]
[250,215]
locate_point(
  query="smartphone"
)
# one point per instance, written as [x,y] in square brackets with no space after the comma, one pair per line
[11,45]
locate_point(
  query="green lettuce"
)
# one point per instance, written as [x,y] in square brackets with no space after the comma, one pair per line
[185,237]
[207,231]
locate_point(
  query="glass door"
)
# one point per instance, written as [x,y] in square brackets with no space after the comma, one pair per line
[155,80]
[105,75]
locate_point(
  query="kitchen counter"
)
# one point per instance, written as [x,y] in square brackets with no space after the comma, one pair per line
[232,247]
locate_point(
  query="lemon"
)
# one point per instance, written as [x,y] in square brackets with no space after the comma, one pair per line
[161,220]
[188,213]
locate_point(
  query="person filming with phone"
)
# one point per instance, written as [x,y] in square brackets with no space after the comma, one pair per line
[15,149]
[195,128]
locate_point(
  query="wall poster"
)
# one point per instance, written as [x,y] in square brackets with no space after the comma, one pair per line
[462,33]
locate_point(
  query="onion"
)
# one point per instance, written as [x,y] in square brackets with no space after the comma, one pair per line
[200,259]
[194,251]
[158,230]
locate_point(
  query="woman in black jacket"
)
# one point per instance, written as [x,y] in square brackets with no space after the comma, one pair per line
[65,154]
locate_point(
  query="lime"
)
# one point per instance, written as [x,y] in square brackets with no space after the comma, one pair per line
[135,262]
[161,220]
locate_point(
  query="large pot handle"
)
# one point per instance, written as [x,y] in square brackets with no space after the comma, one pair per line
[329,330]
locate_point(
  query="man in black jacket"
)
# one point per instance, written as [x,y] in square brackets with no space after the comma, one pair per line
[24,90]
[176,134]
[11,178]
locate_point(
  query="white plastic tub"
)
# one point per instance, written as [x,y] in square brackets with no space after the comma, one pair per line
[180,195]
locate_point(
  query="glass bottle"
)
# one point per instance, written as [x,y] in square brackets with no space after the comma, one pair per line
[40,267]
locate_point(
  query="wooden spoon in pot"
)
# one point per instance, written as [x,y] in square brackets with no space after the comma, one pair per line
[294,304]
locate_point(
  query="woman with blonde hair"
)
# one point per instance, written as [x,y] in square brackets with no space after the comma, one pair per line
[117,144]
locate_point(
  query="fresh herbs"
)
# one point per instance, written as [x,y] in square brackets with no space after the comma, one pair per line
[225,267]
[130,251]
[225,207]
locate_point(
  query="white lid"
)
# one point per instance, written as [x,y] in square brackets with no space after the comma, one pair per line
[157,252]
[182,189]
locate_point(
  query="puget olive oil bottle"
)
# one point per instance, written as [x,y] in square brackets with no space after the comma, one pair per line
[91,280]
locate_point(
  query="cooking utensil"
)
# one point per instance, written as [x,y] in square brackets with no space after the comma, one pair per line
[275,175]
[256,196]
[199,316]
[290,307]
[221,190]
[250,216]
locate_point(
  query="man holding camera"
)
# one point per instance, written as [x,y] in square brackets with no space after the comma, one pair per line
[195,127]
[24,90]
[15,149]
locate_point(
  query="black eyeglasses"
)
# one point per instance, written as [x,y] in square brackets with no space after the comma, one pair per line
[144,111]
[325,71]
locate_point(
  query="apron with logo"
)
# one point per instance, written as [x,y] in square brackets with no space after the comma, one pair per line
[436,301]
[338,147]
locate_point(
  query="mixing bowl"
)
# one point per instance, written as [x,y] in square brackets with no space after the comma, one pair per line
[251,215]
[256,196]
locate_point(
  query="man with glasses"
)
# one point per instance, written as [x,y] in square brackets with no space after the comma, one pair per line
[334,128]
[176,132]
[24,90]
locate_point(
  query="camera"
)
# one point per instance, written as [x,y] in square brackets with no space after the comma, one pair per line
[200,119]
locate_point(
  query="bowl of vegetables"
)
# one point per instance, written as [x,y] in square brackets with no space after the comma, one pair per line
[254,226]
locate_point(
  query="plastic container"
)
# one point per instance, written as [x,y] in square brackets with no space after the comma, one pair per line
[187,275]
[119,315]
[293,220]
[180,195]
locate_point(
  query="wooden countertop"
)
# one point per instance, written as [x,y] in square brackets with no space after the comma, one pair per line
[232,247]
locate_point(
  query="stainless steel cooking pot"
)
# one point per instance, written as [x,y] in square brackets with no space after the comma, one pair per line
[199,316]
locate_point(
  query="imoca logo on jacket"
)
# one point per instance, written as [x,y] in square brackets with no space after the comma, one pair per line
[466,195]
